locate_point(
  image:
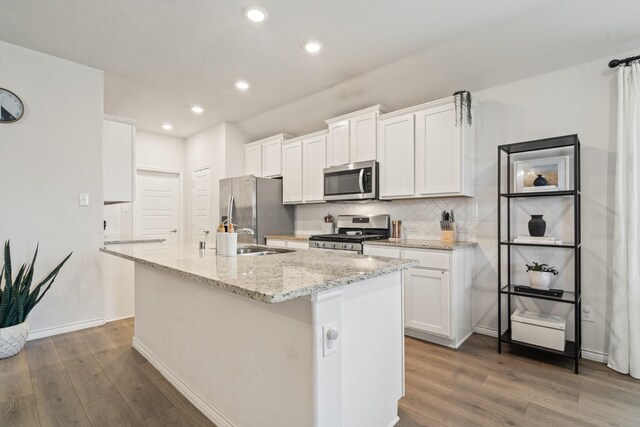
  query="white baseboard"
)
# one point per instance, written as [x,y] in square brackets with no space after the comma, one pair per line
[192,396]
[596,356]
[483,330]
[395,421]
[43,333]
[119,318]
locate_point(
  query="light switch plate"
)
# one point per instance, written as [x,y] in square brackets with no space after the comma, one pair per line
[83,199]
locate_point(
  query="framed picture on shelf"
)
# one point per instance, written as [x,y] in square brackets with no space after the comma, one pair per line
[546,174]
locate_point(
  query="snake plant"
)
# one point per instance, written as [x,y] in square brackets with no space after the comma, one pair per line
[16,297]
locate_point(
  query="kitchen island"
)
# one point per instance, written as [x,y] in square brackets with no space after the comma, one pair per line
[293,338]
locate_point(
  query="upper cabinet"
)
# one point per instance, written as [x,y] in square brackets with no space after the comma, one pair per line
[118,149]
[352,137]
[264,157]
[303,161]
[253,159]
[292,172]
[442,150]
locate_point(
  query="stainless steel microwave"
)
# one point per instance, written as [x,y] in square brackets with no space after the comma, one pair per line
[355,181]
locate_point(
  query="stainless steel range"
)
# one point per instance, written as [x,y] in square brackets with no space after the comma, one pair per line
[353,231]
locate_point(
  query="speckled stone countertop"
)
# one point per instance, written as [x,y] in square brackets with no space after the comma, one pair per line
[421,244]
[120,240]
[269,278]
[300,237]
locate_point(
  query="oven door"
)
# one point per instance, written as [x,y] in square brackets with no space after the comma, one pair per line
[356,181]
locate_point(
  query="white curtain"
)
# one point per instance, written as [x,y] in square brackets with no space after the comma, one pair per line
[624,344]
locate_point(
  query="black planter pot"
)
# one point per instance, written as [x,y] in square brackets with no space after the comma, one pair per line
[537,226]
[539,181]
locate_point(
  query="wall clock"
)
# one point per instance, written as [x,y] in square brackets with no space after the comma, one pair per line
[11,107]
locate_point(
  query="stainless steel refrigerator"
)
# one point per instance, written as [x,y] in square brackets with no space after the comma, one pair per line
[255,203]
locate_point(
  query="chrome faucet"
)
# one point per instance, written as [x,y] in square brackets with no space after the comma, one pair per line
[245,231]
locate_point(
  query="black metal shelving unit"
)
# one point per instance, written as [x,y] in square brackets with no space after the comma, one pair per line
[506,287]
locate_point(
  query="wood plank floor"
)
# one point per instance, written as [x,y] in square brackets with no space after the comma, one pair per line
[95,378]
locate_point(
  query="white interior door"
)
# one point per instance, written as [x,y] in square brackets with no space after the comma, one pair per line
[201,207]
[157,205]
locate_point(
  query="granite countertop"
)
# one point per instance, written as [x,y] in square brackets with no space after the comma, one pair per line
[120,240]
[269,278]
[421,244]
[300,237]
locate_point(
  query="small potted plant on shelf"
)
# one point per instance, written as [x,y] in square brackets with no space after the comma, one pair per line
[540,275]
[17,299]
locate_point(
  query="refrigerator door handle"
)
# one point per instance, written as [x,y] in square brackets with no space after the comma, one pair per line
[230,209]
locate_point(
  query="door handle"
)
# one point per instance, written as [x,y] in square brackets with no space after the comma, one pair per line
[206,231]
[361,180]
[175,230]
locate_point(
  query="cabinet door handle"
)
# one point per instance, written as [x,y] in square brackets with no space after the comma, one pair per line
[175,230]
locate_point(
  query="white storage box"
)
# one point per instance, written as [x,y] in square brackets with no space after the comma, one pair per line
[538,329]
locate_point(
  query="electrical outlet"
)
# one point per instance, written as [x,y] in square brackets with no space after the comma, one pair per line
[329,339]
[413,228]
[587,313]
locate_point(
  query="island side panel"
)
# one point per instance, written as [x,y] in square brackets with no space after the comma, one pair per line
[240,361]
[372,351]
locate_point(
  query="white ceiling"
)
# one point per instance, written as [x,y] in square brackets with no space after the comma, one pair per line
[161,57]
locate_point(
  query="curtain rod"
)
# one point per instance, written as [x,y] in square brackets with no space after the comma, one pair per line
[617,62]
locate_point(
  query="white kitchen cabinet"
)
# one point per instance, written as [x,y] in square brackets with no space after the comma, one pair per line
[338,143]
[352,137]
[362,137]
[272,158]
[303,161]
[118,147]
[253,159]
[293,244]
[443,152]
[263,158]
[314,156]
[292,172]
[426,303]
[396,148]
[437,292]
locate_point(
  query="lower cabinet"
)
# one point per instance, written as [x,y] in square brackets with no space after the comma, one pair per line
[437,293]
[426,301]
[293,244]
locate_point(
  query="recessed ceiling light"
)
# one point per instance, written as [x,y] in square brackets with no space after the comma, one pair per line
[242,85]
[313,46]
[255,13]
[167,126]
[197,109]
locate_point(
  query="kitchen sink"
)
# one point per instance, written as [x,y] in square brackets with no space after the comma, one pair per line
[259,251]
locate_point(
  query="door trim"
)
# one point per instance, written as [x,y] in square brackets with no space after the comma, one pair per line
[179,173]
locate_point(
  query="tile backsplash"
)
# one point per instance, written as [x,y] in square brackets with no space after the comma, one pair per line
[420,217]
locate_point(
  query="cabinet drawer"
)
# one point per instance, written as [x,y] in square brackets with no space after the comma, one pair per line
[297,245]
[377,251]
[277,243]
[436,260]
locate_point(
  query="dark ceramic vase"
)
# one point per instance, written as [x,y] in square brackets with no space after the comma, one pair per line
[539,181]
[537,226]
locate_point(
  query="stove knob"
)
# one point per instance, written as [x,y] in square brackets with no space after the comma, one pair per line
[344,246]
[333,245]
[322,245]
[349,246]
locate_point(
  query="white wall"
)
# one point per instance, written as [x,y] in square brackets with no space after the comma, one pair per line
[578,100]
[221,147]
[53,153]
